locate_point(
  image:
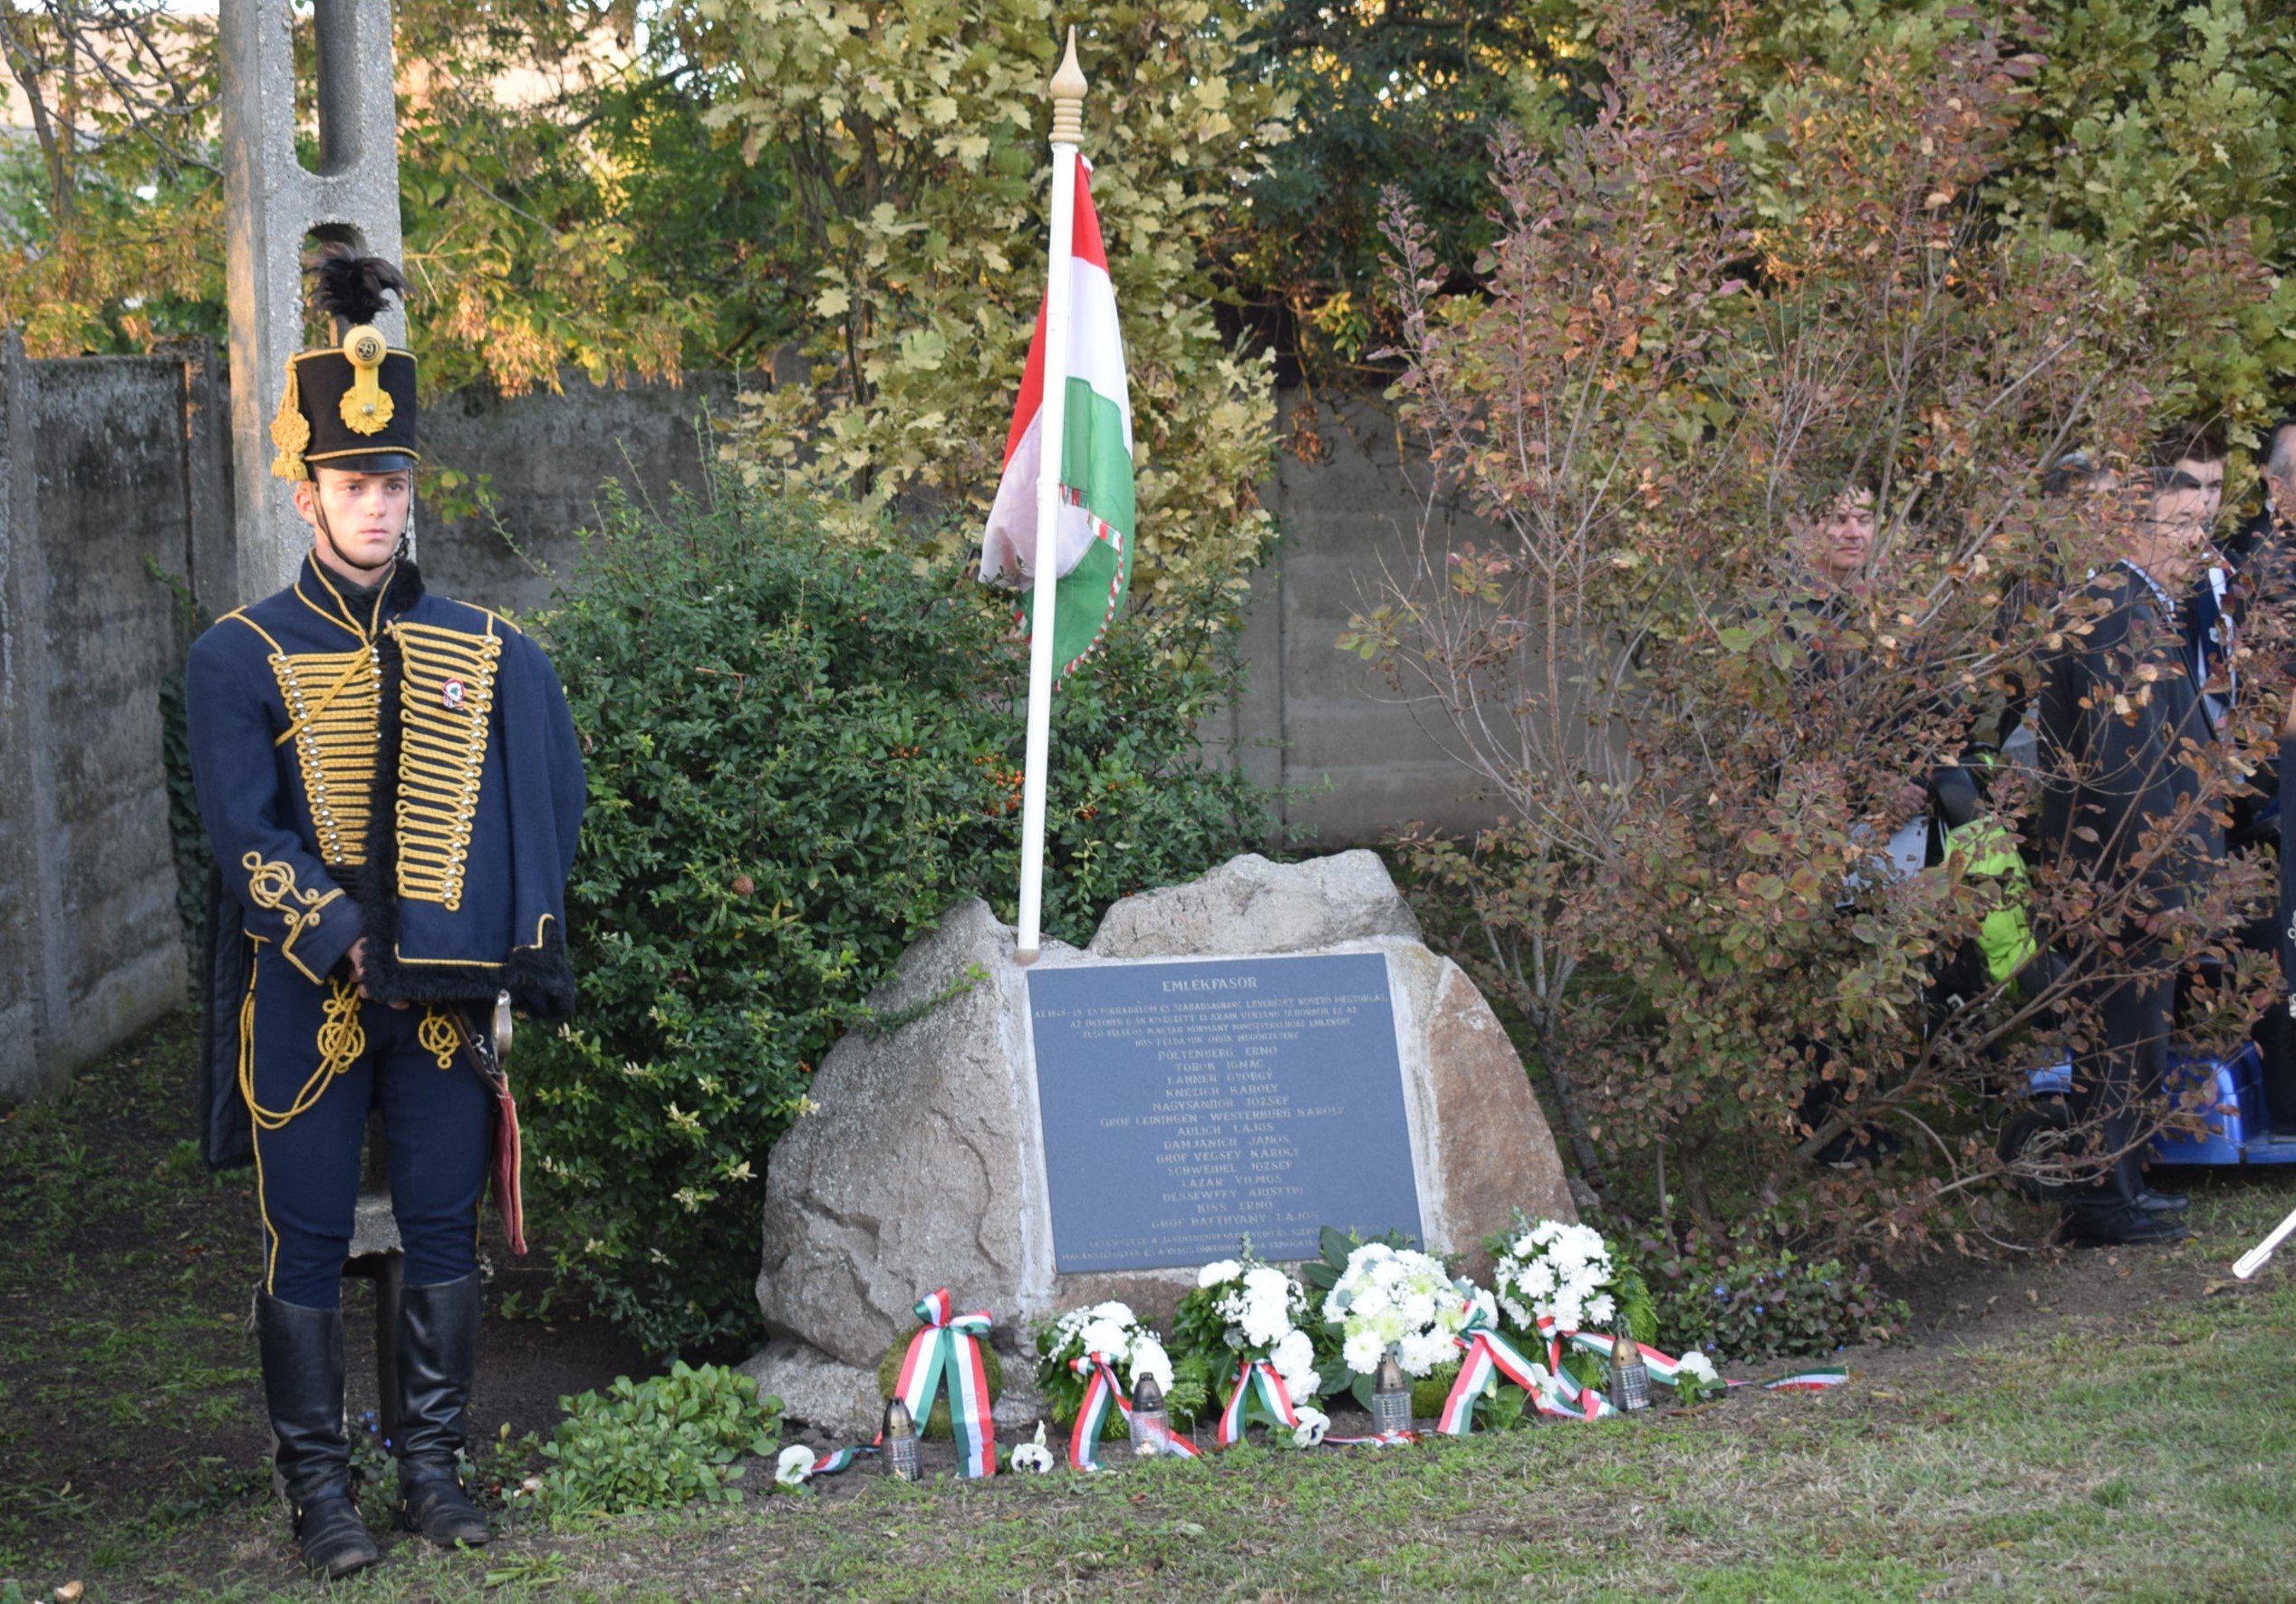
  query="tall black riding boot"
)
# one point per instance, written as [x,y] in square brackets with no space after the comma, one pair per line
[303,1385]
[438,1349]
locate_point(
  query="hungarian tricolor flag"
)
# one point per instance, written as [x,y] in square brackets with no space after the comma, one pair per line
[1096,516]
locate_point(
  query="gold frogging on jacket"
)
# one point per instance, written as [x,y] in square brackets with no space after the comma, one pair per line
[334,701]
[446,716]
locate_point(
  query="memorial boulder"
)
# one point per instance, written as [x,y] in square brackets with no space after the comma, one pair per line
[1259,1053]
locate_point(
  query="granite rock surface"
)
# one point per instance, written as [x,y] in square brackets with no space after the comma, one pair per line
[922,1166]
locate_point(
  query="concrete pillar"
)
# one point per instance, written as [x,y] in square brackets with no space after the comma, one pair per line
[34,1001]
[271,202]
[210,563]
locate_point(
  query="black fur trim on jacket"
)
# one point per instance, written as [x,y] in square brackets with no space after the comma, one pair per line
[540,980]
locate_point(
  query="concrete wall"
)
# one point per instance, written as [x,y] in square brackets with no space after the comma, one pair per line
[108,463]
[549,456]
[1319,719]
[100,466]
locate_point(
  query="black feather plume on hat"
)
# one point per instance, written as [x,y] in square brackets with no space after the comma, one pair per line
[347,285]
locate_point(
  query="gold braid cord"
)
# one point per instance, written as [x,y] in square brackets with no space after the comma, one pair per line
[446,712]
[289,430]
[438,1035]
[334,701]
[272,887]
[342,1041]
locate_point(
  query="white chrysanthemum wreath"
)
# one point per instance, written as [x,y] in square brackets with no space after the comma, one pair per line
[1566,1272]
[1249,1311]
[1401,1298]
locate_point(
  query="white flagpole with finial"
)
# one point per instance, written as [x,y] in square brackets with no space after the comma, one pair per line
[1067,133]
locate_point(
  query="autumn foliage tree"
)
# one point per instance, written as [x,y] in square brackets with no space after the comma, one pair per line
[1704,316]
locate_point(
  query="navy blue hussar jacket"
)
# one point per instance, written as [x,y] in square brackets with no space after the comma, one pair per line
[411,775]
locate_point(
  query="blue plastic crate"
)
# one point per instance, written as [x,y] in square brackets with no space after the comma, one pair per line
[2238,1120]
[2239,1125]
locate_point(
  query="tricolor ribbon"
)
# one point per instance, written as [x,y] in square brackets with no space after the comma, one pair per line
[1806,1381]
[1255,1376]
[1486,1354]
[829,1464]
[949,1345]
[1104,1392]
[1665,1368]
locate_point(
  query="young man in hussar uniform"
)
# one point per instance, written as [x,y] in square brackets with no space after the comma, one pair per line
[392,786]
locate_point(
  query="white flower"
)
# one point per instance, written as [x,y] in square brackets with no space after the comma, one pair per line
[1362,1353]
[1149,1358]
[1116,1313]
[1309,1432]
[1217,1270]
[1698,1368]
[1108,1339]
[794,1467]
[1482,1300]
[1602,1308]
[1421,1351]
[1265,1280]
[1294,1354]
[1033,1457]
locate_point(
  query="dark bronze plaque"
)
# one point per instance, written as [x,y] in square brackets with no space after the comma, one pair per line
[1189,1106]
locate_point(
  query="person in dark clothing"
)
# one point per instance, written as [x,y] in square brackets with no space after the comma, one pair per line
[392,785]
[2123,716]
[2258,608]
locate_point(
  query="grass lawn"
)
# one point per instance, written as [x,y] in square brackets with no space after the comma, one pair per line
[2078,1425]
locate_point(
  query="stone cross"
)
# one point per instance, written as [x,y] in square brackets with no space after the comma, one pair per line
[272,202]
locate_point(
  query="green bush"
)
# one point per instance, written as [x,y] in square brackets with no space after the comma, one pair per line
[657,1443]
[936,1426]
[801,753]
[1746,1302]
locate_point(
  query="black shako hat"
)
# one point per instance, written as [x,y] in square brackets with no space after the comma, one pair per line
[350,406]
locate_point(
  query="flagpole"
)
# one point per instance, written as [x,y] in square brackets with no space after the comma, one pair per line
[1067,133]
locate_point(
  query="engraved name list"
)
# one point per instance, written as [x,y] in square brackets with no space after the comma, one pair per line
[1187,1106]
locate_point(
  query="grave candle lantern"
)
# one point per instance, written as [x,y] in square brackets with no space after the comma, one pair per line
[900,1443]
[1629,1377]
[1151,1425]
[1390,1397]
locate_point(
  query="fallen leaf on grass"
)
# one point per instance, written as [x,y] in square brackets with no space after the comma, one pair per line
[69,1593]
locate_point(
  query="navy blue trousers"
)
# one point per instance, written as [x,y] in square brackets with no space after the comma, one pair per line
[317,1058]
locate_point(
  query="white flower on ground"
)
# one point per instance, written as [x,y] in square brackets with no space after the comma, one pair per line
[1217,1270]
[794,1467]
[1698,1368]
[1033,1457]
[1309,1432]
